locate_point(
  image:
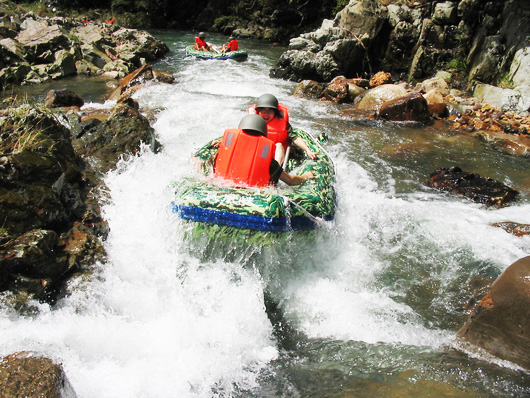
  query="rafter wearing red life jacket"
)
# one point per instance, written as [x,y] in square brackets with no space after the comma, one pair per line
[232,45]
[276,128]
[199,43]
[244,158]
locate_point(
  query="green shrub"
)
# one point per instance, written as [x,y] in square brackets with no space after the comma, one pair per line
[456,65]
[340,5]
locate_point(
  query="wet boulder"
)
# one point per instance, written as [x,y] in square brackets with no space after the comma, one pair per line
[104,142]
[308,89]
[28,375]
[337,90]
[40,172]
[374,98]
[471,186]
[513,228]
[31,261]
[41,193]
[500,323]
[411,107]
[62,98]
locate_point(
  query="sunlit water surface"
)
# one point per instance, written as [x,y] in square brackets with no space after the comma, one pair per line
[366,306]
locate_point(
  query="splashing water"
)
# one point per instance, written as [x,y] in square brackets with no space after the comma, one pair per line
[376,292]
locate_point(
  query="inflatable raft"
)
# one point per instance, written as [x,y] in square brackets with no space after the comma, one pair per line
[239,55]
[275,209]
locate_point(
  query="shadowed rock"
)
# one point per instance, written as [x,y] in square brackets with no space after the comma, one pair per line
[472,186]
[500,323]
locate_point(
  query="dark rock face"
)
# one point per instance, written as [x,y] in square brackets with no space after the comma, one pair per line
[40,173]
[123,132]
[62,98]
[500,323]
[472,186]
[52,224]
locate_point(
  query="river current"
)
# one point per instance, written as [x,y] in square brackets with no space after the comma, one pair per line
[366,306]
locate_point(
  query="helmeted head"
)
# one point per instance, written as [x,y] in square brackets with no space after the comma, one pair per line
[267,101]
[202,35]
[253,125]
[231,38]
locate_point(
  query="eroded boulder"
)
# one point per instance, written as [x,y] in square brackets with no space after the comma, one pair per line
[500,323]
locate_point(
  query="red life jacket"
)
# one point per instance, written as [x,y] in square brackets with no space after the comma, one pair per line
[199,43]
[276,128]
[244,158]
[233,45]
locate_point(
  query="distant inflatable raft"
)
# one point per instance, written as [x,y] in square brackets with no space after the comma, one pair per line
[239,55]
[273,209]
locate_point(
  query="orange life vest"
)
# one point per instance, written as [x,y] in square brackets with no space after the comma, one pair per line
[276,128]
[244,158]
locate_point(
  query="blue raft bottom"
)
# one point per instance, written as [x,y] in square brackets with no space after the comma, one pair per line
[245,221]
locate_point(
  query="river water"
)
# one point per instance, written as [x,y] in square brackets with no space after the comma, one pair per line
[369,305]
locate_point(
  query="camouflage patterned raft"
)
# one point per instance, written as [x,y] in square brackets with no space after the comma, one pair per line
[239,55]
[274,209]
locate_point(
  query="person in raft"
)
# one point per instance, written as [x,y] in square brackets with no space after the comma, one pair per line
[278,127]
[246,156]
[232,45]
[200,43]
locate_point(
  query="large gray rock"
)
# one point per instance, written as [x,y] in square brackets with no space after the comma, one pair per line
[520,76]
[57,47]
[501,98]
[340,45]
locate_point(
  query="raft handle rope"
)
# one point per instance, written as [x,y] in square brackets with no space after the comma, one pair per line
[320,222]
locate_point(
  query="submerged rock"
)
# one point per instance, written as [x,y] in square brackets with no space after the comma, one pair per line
[514,228]
[472,186]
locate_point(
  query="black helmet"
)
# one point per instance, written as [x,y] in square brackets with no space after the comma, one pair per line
[267,101]
[201,35]
[253,124]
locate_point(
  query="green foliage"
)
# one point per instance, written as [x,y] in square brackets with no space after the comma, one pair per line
[74,38]
[340,5]
[457,66]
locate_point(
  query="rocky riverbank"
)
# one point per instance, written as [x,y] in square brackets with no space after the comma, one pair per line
[483,45]
[34,49]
